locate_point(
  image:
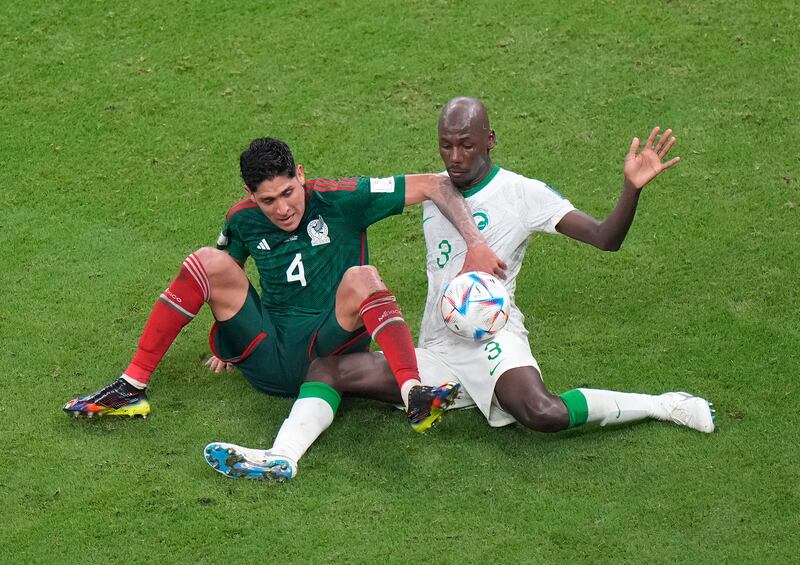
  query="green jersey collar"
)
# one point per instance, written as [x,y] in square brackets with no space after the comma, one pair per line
[481,185]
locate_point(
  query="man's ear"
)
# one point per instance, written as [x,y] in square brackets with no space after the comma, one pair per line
[298,172]
[492,140]
[249,193]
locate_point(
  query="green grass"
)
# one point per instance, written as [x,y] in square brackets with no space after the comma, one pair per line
[122,124]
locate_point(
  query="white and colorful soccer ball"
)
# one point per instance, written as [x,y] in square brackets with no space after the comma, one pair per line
[475,306]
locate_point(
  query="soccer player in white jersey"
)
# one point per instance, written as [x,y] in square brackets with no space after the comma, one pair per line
[501,377]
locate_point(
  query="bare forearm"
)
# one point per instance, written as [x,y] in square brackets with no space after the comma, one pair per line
[609,234]
[451,204]
[439,190]
[612,231]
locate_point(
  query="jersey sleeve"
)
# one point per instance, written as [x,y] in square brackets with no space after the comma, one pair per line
[231,242]
[542,206]
[364,199]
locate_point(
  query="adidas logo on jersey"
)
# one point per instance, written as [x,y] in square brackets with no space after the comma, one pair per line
[263,245]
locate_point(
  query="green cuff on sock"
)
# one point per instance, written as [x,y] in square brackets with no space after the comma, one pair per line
[321,390]
[576,406]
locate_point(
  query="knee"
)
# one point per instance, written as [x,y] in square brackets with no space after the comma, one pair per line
[360,274]
[362,281]
[214,261]
[542,413]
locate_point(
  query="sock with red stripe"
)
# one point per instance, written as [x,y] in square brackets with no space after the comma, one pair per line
[385,323]
[176,307]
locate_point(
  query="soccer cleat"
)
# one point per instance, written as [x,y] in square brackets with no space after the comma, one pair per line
[427,403]
[119,398]
[243,463]
[690,411]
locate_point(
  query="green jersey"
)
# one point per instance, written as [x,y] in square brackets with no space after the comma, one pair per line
[300,271]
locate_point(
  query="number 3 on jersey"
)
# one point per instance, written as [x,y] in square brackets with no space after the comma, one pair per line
[445,249]
[296,272]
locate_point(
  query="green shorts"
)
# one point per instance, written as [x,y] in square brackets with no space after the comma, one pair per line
[274,354]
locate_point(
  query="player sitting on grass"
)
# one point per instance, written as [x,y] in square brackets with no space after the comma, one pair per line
[500,376]
[319,297]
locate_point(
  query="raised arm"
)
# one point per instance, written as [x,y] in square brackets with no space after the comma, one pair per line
[439,190]
[639,169]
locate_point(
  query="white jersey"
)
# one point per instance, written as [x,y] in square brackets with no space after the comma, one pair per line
[507,209]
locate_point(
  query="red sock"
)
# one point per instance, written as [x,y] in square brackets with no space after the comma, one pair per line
[384,321]
[175,308]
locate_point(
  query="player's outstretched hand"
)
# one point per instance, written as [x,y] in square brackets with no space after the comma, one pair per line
[218,365]
[482,258]
[641,168]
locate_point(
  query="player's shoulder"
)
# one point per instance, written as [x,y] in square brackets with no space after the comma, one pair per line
[526,186]
[324,185]
[511,177]
[241,209]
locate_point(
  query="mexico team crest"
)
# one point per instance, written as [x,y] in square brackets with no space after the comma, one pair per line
[318,231]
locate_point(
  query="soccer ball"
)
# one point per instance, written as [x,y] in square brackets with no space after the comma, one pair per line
[475,306]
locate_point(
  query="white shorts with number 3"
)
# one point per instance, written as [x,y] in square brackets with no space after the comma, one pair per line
[477,366]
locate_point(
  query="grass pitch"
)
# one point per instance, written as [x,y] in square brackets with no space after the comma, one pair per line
[122,124]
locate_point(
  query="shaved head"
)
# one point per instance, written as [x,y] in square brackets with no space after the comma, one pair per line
[465,140]
[464,112]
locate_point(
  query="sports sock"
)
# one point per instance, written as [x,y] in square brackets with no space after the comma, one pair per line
[607,407]
[133,382]
[175,308]
[385,323]
[311,415]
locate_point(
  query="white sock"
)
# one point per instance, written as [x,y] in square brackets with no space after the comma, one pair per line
[608,407]
[309,417]
[406,389]
[133,382]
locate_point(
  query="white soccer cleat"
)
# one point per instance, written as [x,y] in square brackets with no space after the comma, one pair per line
[690,411]
[240,462]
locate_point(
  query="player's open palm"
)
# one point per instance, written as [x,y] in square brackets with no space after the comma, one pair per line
[642,167]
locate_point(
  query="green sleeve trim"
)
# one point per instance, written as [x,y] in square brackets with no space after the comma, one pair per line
[324,391]
[576,406]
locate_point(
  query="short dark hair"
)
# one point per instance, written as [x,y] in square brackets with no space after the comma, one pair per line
[265,159]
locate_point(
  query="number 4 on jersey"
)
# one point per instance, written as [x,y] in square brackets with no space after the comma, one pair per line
[296,272]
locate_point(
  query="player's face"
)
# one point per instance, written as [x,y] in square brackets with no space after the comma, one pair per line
[465,152]
[282,200]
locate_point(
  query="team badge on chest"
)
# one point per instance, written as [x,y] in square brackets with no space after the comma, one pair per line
[318,231]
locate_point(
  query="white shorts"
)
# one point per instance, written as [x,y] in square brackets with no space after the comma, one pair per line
[477,366]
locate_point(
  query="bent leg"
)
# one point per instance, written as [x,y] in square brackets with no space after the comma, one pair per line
[522,393]
[228,283]
[207,275]
[363,299]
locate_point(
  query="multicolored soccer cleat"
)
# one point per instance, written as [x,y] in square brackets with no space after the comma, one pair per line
[240,462]
[427,403]
[120,398]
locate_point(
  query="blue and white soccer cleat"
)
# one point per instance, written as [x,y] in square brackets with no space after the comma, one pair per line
[240,462]
[690,411]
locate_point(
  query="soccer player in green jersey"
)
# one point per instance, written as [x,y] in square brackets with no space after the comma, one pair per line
[319,295]
[501,377]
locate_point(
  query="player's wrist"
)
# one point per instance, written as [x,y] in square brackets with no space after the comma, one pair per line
[629,185]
